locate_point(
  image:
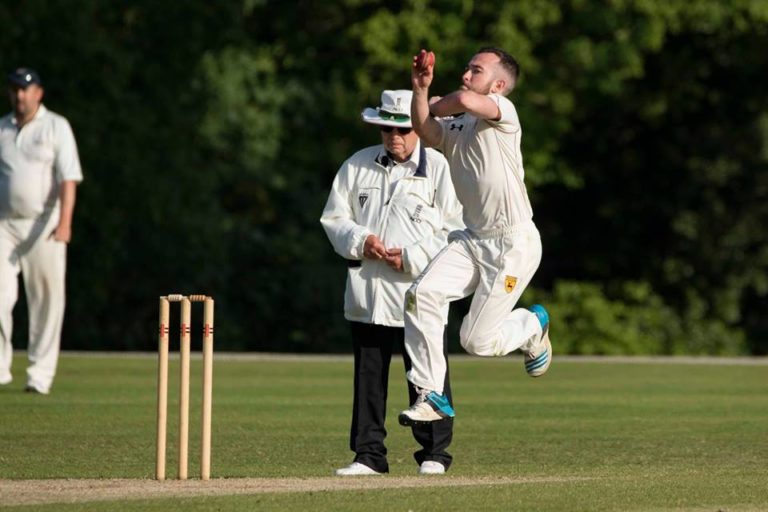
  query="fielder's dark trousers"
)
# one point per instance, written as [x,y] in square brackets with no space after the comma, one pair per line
[373,347]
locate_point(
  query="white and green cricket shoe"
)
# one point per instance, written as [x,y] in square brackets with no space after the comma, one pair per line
[428,407]
[537,360]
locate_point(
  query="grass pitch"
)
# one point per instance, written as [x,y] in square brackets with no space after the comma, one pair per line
[655,436]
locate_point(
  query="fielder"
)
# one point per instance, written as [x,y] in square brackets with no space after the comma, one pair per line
[389,212]
[39,172]
[497,255]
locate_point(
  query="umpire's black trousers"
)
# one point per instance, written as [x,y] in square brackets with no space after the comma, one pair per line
[373,347]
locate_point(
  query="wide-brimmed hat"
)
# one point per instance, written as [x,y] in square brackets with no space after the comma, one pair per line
[395,110]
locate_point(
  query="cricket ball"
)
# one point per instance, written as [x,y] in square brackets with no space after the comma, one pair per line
[425,59]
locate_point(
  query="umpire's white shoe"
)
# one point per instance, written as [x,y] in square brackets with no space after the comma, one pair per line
[357,469]
[431,467]
[538,359]
[428,407]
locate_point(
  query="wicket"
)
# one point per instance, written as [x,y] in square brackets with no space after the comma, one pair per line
[162,384]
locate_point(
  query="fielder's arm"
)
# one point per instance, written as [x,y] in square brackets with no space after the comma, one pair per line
[67,195]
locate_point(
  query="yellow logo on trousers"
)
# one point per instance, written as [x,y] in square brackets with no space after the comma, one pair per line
[509,283]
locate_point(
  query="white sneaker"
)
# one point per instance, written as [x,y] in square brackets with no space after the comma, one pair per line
[431,467]
[356,469]
[31,388]
[6,379]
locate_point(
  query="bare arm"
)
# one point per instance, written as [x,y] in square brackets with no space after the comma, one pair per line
[479,105]
[429,131]
[67,194]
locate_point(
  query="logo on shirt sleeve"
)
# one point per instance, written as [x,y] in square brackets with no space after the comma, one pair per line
[509,284]
[362,198]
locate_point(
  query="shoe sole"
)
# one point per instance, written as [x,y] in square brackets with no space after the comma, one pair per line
[407,421]
[539,371]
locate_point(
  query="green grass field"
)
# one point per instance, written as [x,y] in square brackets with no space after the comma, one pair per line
[588,436]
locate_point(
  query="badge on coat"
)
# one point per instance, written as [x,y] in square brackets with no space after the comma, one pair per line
[410,302]
[362,198]
[509,283]
[416,217]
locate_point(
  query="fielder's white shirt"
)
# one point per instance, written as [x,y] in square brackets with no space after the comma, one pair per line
[487,168]
[409,205]
[34,161]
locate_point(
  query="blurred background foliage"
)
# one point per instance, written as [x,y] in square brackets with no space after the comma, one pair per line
[210,133]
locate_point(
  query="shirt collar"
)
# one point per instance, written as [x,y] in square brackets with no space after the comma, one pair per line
[41,111]
[417,160]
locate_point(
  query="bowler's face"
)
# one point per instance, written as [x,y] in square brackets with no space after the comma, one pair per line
[25,100]
[480,73]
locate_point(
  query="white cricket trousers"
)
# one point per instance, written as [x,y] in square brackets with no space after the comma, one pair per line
[26,247]
[496,267]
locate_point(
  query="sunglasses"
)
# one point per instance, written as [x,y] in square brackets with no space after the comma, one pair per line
[401,131]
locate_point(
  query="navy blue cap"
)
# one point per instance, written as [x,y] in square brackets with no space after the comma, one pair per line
[23,77]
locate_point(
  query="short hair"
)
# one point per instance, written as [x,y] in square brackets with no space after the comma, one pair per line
[507,62]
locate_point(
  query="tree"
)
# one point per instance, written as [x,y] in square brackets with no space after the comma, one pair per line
[210,133]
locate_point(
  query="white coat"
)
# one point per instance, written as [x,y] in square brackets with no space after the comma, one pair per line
[415,212]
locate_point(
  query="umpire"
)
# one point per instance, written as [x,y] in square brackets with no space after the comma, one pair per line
[389,212]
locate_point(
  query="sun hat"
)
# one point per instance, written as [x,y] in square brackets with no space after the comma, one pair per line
[395,110]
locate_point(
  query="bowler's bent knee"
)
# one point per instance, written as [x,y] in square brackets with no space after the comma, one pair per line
[485,344]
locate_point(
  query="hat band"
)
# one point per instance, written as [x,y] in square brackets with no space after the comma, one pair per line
[398,118]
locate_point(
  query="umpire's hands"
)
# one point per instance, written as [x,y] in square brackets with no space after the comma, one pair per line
[374,248]
[395,259]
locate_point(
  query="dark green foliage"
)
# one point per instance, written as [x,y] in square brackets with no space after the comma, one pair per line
[210,133]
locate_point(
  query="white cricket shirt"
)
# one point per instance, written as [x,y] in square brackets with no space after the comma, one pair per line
[34,161]
[487,168]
